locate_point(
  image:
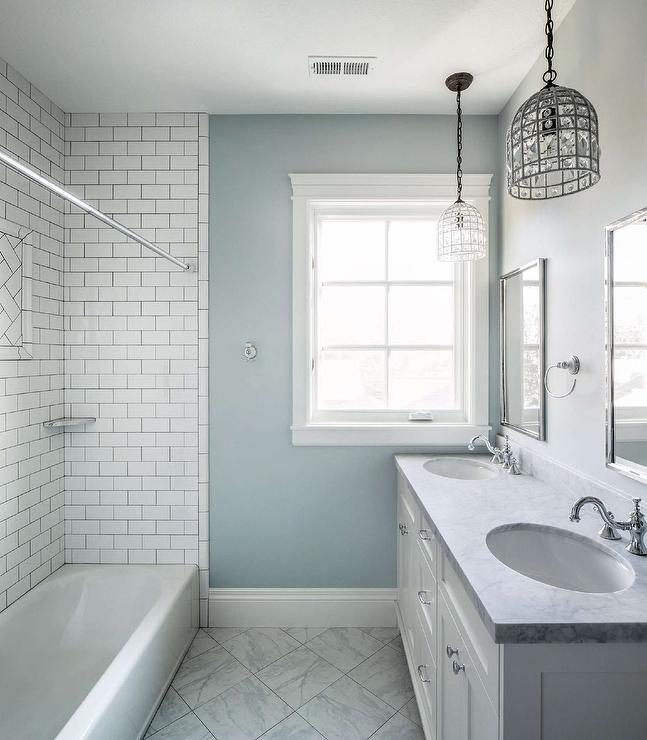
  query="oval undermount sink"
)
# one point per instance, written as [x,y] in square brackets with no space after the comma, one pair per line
[560,558]
[461,468]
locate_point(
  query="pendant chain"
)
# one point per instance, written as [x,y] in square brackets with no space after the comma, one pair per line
[459,143]
[550,74]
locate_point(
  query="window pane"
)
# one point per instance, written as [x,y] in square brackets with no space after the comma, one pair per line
[412,252]
[531,379]
[630,315]
[630,253]
[352,315]
[352,379]
[531,328]
[352,250]
[421,315]
[421,379]
[630,377]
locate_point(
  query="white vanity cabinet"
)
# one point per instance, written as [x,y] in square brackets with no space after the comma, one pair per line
[470,688]
[465,710]
[452,698]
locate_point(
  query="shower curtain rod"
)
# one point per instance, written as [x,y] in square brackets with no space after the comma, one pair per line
[32,175]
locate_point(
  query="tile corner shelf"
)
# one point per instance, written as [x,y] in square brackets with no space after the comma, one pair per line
[69,421]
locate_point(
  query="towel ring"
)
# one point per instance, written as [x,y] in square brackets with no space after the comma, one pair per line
[573,367]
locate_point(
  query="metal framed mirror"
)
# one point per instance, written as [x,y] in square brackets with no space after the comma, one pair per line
[522,319]
[626,345]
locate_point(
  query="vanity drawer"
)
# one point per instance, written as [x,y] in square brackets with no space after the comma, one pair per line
[428,542]
[425,679]
[426,595]
[485,652]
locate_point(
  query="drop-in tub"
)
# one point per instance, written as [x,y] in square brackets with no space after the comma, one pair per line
[88,653]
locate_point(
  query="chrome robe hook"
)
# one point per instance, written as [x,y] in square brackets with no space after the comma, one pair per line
[573,367]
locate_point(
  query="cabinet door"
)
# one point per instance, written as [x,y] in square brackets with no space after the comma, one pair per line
[406,550]
[464,709]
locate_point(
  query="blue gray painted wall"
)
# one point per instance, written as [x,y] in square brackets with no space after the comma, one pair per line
[284,516]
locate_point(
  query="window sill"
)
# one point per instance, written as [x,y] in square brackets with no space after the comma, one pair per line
[423,434]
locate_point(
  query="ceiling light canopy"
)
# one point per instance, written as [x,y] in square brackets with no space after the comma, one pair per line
[552,146]
[461,231]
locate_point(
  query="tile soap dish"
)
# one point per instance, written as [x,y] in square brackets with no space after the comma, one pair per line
[69,421]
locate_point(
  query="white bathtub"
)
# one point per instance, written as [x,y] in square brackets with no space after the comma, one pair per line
[89,652]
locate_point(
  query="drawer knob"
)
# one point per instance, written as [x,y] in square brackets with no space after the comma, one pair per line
[425,535]
[451,651]
[457,668]
[403,529]
[422,675]
[422,596]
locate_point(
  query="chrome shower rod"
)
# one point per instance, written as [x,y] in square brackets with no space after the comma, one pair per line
[54,188]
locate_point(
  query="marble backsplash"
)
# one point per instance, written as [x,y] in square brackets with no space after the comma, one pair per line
[559,476]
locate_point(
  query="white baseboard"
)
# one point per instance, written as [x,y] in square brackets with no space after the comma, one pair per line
[302,607]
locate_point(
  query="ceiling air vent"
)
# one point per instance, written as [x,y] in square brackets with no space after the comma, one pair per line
[340,66]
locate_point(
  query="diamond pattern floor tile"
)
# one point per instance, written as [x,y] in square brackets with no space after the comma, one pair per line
[344,647]
[243,712]
[346,711]
[299,676]
[399,728]
[386,674]
[215,697]
[292,728]
[257,648]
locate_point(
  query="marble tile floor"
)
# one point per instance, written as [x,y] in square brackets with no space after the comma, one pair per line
[295,683]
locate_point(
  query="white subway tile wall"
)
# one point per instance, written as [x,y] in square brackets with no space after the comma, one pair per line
[136,338]
[31,391]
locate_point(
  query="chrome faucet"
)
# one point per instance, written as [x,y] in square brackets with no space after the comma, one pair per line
[503,457]
[635,525]
[497,454]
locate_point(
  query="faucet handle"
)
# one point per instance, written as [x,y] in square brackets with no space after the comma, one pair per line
[637,514]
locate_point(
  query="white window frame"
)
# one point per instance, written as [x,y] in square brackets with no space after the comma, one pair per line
[316,193]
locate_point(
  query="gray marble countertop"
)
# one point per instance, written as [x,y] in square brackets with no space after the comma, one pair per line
[515,608]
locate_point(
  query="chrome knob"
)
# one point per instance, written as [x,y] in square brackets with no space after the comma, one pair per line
[457,668]
[421,674]
[451,651]
[403,529]
[421,598]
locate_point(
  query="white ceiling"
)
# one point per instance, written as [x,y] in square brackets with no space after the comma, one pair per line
[250,56]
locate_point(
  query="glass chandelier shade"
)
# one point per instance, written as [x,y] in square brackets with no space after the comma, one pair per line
[461,231]
[552,145]
[461,234]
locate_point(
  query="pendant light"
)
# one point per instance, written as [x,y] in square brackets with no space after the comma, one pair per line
[461,231]
[552,146]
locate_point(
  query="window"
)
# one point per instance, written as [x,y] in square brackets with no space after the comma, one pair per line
[382,330]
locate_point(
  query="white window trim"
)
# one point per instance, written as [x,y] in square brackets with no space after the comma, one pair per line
[312,190]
